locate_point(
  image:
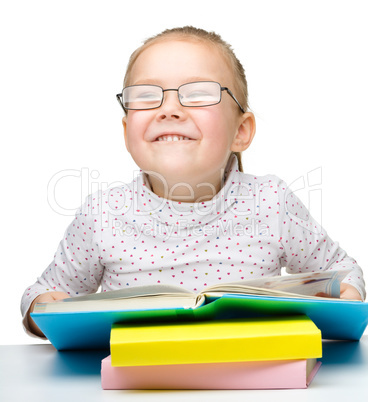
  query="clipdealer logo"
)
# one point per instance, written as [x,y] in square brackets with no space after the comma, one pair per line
[307,187]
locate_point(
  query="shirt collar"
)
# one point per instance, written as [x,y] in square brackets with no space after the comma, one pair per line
[186,214]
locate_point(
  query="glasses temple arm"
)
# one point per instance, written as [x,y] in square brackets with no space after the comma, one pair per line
[118,96]
[233,96]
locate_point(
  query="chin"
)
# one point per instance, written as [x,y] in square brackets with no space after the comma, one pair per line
[165,164]
[173,173]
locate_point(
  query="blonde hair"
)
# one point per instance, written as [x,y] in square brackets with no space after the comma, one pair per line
[201,35]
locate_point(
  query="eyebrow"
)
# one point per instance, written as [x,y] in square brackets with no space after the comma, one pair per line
[153,81]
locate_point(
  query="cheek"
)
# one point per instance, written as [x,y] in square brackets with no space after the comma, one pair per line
[135,123]
[217,127]
[135,129]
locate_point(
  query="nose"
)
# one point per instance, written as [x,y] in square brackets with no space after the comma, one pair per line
[171,107]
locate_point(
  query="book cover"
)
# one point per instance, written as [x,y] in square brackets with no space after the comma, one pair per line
[277,374]
[253,339]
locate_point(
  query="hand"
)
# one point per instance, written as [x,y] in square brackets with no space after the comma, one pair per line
[349,292]
[48,297]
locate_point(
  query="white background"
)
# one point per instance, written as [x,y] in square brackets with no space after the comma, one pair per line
[62,62]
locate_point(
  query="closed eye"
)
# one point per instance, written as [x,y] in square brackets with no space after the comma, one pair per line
[147,96]
[198,94]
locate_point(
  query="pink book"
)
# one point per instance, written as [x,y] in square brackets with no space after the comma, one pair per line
[239,375]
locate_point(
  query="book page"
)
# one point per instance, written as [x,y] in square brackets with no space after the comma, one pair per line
[127,293]
[130,299]
[309,284]
[147,302]
[171,296]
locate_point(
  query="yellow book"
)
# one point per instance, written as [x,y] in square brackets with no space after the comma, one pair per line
[254,339]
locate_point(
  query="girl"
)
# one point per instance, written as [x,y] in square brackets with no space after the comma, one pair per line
[192,217]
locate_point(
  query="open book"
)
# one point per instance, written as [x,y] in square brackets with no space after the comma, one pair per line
[309,286]
[85,322]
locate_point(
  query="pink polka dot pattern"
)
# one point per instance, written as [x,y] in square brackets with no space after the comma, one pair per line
[128,236]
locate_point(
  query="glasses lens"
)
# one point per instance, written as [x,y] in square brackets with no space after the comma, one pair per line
[142,97]
[200,94]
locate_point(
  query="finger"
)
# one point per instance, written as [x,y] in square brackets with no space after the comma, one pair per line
[321,294]
[59,296]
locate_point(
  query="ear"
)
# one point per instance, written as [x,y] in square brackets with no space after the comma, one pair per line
[245,133]
[125,133]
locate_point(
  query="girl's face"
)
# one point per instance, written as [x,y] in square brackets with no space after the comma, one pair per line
[212,129]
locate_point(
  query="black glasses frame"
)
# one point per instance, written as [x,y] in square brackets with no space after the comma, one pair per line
[119,97]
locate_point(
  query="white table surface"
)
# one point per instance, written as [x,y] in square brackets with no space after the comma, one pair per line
[40,373]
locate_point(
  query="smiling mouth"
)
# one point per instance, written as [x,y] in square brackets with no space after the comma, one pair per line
[172,137]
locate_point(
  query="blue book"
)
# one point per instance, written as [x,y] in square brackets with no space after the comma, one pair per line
[337,319]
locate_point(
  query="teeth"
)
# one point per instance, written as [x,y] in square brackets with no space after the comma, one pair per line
[172,138]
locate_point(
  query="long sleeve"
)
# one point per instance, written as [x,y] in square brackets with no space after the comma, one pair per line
[305,245]
[76,268]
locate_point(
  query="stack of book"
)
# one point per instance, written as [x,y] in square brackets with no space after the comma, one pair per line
[209,340]
[253,353]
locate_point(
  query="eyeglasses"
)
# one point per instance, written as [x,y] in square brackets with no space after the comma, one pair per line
[193,94]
